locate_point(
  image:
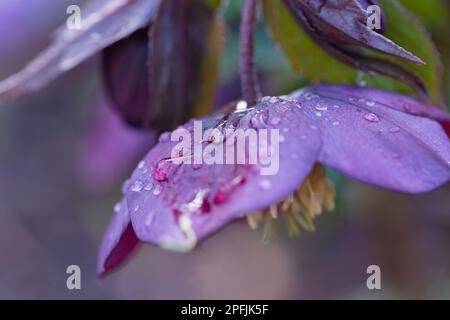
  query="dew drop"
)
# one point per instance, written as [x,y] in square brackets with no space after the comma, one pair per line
[322,108]
[141,164]
[117,207]
[308,96]
[265,184]
[241,105]
[371,117]
[370,103]
[407,107]
[148,186]
[318,114]
[336,123]
[157,190]
[137,186]
[259,119]
[274,100]
[275,121]
[164,169]
[394,129]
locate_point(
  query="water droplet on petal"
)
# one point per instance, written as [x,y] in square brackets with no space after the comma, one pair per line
[157,190]
[265,184]
[137,186]
[371,117]
[259,119]
[241,105]
[141,164]
[117,207]
[275,121]
[394,129]
[274,100]
[322,108]
[370,103]
[148,186]
[164,169]
[336,123]
[308,96]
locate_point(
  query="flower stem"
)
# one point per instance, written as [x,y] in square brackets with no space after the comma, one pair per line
[249,82]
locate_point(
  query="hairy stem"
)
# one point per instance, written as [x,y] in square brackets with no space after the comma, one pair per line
[249,82]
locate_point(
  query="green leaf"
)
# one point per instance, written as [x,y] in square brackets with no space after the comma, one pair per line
[434,13]
[307,58]
[408,32]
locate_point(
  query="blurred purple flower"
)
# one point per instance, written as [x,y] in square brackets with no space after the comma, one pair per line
[152,54]
[110,148]
[374,136]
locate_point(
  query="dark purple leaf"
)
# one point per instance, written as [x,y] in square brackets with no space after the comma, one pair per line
[111,21]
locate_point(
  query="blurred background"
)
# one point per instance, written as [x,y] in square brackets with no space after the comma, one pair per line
[64,156]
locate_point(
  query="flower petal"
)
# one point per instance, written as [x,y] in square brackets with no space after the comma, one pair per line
[390,99]
[101,28]
[363,132]
[343,22]
[367,134]
[176,205]
[127,80]
[118,242]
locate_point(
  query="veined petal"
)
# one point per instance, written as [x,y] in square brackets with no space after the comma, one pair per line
[110,22]
[367,134]
[177,205]
[362,132]
[344,22]
[119,240]
[389,99]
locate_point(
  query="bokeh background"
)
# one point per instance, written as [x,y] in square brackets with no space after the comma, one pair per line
[64,155]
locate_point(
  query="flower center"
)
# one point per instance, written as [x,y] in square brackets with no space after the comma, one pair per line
[300,208]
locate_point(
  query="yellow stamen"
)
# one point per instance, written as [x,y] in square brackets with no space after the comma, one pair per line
[300,208]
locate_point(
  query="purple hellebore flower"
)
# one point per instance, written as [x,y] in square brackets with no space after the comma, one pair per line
[377,137]
[340,28]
